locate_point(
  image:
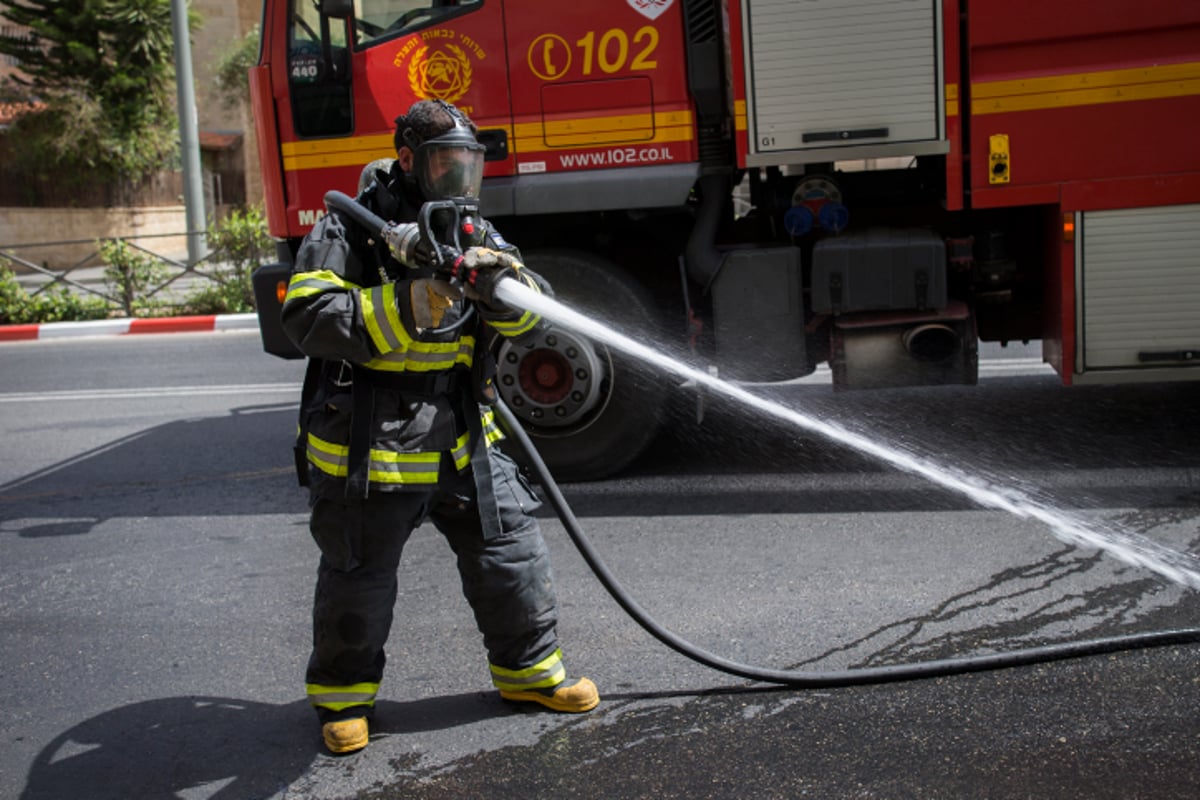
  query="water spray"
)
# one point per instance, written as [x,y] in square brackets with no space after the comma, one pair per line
[1135,550]
[1178,567]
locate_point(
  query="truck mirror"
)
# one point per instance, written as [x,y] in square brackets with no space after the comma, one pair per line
[338,9]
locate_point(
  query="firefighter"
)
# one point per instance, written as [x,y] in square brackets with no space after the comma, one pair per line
[395,430]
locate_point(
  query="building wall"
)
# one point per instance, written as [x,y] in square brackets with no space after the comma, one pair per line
[20,228]
[223,24]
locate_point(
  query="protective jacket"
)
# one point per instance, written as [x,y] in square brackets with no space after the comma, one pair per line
[399,361]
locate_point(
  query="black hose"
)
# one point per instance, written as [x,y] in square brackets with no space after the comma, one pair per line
[356,211]
[810,680]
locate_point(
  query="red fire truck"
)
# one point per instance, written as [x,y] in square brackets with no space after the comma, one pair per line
[875,184]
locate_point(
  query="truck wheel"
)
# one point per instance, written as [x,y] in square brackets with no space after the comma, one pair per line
[589,410]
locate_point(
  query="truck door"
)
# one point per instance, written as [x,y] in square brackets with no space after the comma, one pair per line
[348,78]
[599,85]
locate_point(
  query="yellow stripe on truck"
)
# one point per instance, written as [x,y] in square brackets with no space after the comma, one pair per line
[526,137]
[603,132]
[1086,88]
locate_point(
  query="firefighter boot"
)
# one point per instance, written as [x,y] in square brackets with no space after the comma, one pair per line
[571,696]
[346,735]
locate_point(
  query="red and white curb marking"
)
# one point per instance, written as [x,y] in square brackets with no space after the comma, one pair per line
[120,327]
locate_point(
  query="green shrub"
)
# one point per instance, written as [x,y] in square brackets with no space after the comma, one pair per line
[241,244]
[13,299]
[219,298]
[131,275]
[56,304]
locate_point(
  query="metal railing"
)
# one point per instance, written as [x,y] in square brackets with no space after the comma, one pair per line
[91,276]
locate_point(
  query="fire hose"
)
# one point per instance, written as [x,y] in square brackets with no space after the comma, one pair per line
[805,679]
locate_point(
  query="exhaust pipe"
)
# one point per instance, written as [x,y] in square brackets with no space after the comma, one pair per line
[925,349]
[930,342]
[701,257]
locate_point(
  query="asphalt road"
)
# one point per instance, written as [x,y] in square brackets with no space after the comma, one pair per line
[156,575]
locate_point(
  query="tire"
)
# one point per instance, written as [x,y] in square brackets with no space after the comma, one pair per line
[590,411]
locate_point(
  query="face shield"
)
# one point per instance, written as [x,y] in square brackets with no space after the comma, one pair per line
[450,165]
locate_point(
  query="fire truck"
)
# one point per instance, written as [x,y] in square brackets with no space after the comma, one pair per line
[772,185]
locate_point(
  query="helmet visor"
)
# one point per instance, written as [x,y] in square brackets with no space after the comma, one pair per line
[447,170]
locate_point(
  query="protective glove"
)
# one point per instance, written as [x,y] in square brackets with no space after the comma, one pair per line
[481,269]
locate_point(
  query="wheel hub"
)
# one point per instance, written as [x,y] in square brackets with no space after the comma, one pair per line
[553,381]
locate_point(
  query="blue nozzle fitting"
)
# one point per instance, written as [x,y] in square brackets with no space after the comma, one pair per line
[798,220]
[834,217]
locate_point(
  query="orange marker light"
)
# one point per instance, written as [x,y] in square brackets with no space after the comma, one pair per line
[1068,227]
[281,291]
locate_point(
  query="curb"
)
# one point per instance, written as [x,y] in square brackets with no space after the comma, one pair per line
[121,327]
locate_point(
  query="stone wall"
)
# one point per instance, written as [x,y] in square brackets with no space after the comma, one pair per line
[62,238]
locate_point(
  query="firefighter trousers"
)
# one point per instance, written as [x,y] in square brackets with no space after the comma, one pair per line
[506,580]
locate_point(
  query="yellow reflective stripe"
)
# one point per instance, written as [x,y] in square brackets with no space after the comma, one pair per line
[336,698]
[396,468]
[382,319]
[541,666]
[550,671]
[306,284]
[462,452]
[516,327]
[328,457]
[425,356]
[526,322]
[491,431]
[491,434]
[386,466]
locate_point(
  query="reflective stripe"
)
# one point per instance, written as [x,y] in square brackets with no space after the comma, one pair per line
[550,671]
[328,457]
[425,356]
[527,322]
[386,466]
[462,451]
[390,467]
[491,434]
[491,431]
[383,319]
[336,698]
[398,350]
[306,284]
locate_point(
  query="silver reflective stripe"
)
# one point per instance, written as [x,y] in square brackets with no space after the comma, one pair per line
[377,312]
[327,457]
[549,677]
[423,360]
[419,468]
[324,698]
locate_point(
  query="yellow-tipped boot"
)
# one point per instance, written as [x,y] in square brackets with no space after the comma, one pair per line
[573,697]
[346,735]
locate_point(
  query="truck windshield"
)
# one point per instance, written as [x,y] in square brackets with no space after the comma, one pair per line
[376,20]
